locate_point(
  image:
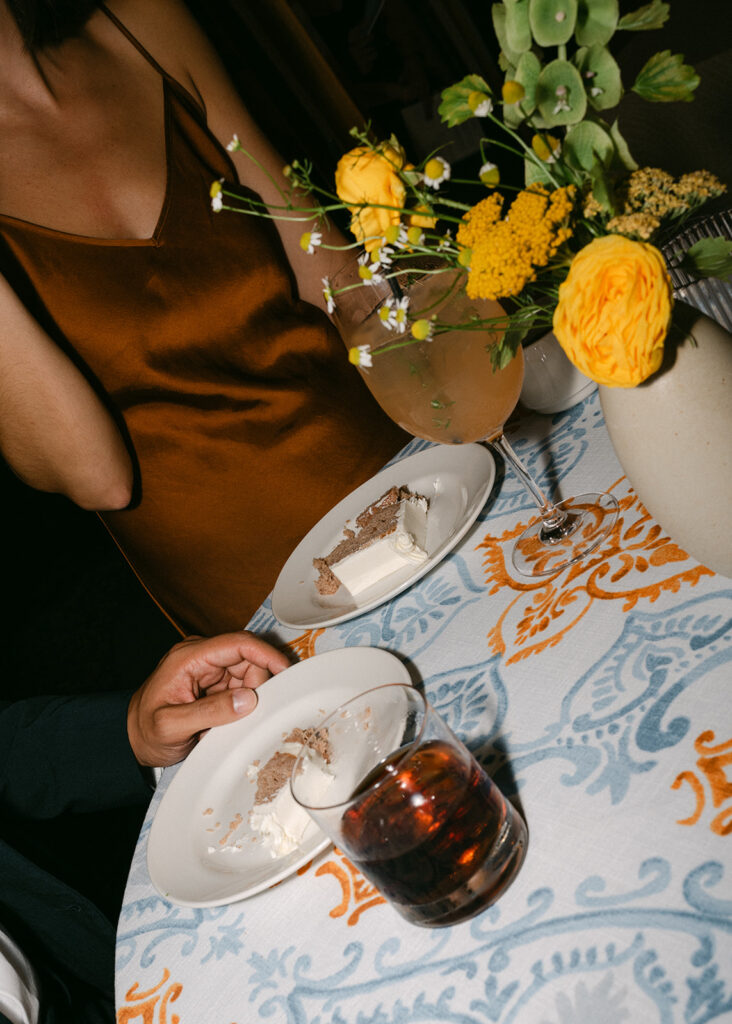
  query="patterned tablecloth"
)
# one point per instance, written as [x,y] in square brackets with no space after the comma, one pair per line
[601,698]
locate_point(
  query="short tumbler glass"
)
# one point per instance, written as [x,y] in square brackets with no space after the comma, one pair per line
[411,808]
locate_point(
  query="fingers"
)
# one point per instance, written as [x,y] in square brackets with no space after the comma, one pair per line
[178,725]
[241,654]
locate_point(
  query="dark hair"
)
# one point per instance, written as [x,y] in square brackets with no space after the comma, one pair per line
[45,23]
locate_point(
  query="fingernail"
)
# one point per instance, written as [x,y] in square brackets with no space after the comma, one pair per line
[243,700]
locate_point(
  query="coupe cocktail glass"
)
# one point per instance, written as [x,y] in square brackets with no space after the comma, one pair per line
[444,389]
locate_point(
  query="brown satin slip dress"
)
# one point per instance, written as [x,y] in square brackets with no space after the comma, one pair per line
[245,418]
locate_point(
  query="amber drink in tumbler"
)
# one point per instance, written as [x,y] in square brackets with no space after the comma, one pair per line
[413,810]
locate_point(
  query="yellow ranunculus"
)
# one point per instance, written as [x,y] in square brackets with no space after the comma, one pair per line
[614,311]
[420,217]
[371,176]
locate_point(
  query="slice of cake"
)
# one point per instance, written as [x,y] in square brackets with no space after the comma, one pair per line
[389,534]
[277,819]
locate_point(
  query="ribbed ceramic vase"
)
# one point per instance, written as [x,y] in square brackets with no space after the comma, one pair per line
[673,437]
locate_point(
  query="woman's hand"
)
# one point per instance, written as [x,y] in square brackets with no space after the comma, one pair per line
[198,684]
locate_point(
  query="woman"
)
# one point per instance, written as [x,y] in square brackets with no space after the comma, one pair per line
[162,363]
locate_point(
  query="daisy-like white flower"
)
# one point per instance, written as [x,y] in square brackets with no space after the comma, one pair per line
[480,103]
[436,170]
[446,241]
[382,255]
[396,236]
[512,92]
[489,174]
[401,307]
[310,240]
[360,355]
[368,271]
[546,147]
[217,199]
[415,236]
[234,144]
[387,314]
[328,295]
[422,330]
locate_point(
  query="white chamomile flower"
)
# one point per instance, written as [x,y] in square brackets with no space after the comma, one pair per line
[436,170]
[360,355]
[368,270]
[480,103]
[328,295]
[422,330]
[387,314]
[310,240]
[397,236]
[216,193]
[401,308]
[234,144]
[446,241]
[382,255]
[489,174]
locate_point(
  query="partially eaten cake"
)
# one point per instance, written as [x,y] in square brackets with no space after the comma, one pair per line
[276,818]
[389,534]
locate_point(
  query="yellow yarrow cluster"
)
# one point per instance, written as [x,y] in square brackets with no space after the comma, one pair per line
[654,191]
[505,254]
[698,186]
[634,225]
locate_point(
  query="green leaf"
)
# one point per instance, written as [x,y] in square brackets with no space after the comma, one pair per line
[552,21]
[518,30]
[621,148]
[711,257]
[596,22]
[560,94]
[588,144]
[601,76]
[665,79]
[455,107]
[503,352]
[602,188]
[535,171]
[653,15]
[498,17]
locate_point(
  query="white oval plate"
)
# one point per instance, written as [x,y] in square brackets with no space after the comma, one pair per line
[211,792]
[456,478]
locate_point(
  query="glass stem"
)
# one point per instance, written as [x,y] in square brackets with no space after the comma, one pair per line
[552,517]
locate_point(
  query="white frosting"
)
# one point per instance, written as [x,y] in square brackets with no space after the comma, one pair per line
[406,545]
[282,824]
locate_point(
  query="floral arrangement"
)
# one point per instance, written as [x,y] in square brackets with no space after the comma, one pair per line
[573,249]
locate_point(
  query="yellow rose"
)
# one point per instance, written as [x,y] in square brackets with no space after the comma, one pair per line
[614,311]
[370,176]
[420,217]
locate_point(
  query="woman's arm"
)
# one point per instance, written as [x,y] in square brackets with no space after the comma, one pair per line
[174,38]
[55,432]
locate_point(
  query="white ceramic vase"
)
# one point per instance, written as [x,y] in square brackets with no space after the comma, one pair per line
[551,382]
[673,437]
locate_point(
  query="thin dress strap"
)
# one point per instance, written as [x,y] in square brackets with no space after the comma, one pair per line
[181,89]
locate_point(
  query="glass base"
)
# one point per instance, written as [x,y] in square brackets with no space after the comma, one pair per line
[545,548]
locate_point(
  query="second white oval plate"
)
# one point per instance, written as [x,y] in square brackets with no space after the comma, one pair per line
[456,478]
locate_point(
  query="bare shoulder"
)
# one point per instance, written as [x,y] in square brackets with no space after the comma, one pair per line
[171,34]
